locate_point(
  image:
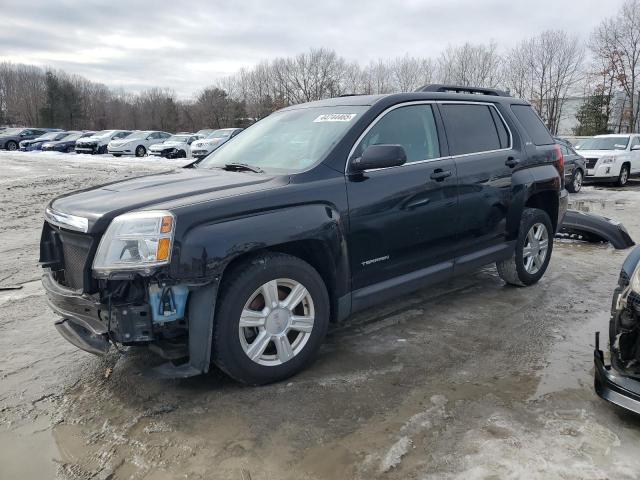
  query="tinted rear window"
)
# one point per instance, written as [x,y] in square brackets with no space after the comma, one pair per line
[532,124]
[470,128]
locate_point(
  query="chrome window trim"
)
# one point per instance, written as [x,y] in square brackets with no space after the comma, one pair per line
[64,220]
[430,102]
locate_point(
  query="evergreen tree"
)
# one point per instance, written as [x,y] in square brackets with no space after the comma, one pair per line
[592,117]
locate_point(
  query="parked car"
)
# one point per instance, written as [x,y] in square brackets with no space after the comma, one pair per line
[315,212]
[66,144]
[137,143]
[619,382]
[611,158]
[574,166]
[176,146]
[36,143]
[11,137]
[203,147]
[97,143]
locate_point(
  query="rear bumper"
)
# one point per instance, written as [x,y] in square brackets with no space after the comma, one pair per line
[615,388]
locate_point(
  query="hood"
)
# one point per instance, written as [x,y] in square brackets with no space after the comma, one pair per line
[101,204]
[207,142]
[600,153]
[117,143]
[91,139]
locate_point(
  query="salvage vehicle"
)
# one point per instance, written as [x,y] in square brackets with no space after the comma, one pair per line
[11,137]
[66,144]
[619,382]
[176,146]
[202,148]
[97,143]
[574,166]
[315,212]
[36,143]
[611,158]
[137,143]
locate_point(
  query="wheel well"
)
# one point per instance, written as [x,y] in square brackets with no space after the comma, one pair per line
[627,163]
[547,201]
[315,252]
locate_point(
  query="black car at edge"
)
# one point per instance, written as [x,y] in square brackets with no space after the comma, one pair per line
[315,212]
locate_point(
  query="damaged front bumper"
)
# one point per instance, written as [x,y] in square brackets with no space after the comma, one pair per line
[613,387]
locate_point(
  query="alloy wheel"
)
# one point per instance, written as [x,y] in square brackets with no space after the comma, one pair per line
[535,248]
[577,181]
[276,322]
[624,176]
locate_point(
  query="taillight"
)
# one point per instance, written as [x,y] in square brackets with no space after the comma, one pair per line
[559,163]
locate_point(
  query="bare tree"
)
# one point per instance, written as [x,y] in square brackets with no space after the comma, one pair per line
[471,65]
[617,40]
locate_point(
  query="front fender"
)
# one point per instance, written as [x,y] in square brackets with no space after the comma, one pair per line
[206,249]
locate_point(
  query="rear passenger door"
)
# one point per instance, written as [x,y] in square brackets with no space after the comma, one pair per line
[481,146]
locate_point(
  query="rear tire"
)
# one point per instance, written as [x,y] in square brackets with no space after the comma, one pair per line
[576,182]
[140,151]
[623,178]
[283,341]
[526,266]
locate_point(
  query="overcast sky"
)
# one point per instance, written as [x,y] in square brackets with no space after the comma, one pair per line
[186,45]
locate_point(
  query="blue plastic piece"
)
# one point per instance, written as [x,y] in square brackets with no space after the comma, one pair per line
[168,303]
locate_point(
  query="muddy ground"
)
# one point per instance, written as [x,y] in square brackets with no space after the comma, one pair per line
[471,379]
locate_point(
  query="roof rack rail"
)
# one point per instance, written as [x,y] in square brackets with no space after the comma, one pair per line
[462,89]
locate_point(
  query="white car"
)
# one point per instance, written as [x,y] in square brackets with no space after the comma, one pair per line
[202,148]
[176,146]
[611,158]
[137,143]
[97,143]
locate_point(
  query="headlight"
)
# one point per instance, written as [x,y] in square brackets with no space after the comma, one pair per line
[608,159]
[136,241]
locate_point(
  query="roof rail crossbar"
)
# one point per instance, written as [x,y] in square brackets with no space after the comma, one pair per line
[462,89]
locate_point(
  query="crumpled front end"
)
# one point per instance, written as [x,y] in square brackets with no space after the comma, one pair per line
[619,382]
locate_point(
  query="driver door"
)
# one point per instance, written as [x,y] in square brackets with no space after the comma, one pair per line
[402,219]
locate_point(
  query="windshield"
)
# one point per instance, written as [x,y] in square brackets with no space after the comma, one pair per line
[178,138]
[287,141]
[136,136]
[49,136]
[71,137]
[103,133]
[12,131]
[604,143]
[220,134]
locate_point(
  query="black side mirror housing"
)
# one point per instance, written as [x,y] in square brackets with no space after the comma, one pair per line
[379,156]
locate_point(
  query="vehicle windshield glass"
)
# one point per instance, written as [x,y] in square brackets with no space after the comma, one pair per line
[103,133]
[178,138]
[604,143]
[138,135]
[11,131]
[49,136]
[287,141]
[219,134]
[73,136]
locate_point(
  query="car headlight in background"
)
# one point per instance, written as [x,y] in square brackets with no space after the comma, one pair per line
[136,241]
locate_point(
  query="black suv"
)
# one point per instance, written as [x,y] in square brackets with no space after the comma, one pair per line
[313,213]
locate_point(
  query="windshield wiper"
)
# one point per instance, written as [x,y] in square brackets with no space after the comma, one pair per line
[242,166]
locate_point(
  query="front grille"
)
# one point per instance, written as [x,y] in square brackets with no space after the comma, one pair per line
[591,162]
[75,252]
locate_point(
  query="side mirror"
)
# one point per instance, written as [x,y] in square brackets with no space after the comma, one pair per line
[379,156]
[635,147]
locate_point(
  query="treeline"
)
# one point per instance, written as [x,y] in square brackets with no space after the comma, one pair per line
[545,69]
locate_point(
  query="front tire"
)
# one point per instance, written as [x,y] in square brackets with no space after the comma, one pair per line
[272,316]
[576,182]
[533,250]
[623,178]
[141,151]
[12,146]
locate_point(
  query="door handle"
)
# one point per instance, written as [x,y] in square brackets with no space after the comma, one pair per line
[512,162]
[439,175]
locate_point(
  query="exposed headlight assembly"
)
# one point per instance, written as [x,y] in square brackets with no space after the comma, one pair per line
[608,159]
[135,241]
[634,282]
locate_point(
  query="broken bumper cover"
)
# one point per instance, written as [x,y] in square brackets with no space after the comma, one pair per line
[80,324]
[614,388]
[596,227]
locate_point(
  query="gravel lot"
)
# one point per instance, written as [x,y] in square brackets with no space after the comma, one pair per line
[471,379]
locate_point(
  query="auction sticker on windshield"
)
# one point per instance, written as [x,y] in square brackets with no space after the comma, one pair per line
[335,117]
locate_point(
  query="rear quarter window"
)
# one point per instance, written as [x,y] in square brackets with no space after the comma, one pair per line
[532,124]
